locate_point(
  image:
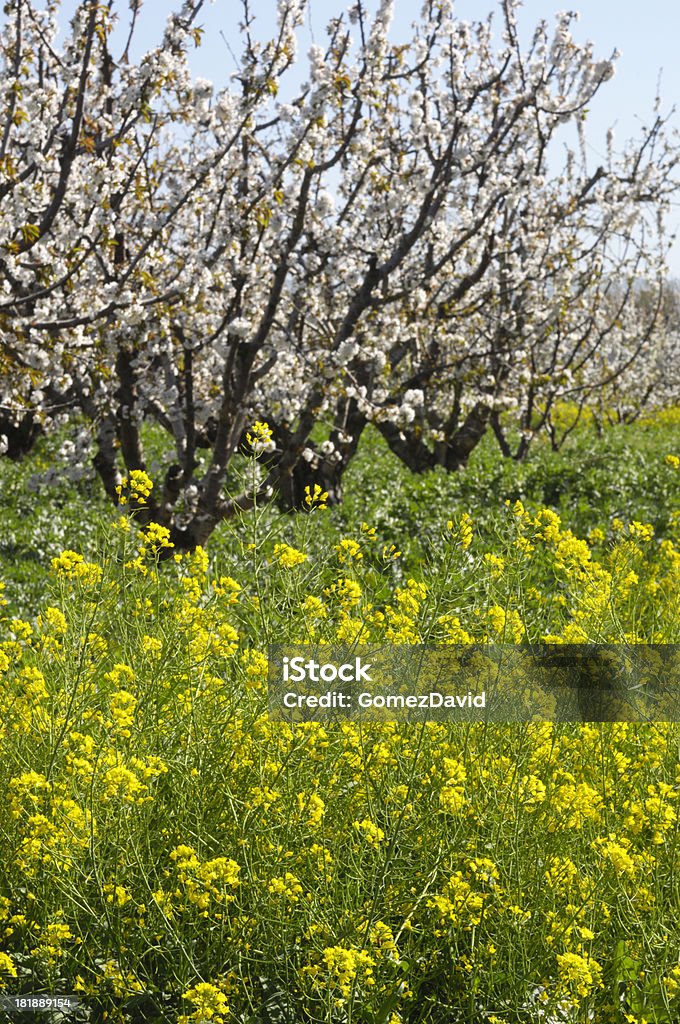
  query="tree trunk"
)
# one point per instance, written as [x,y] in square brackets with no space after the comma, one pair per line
[325,470]
[21,431]
[460,446]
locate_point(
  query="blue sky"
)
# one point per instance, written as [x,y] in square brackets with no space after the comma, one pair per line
[646,33]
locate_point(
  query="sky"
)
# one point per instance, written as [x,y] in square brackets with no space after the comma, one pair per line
[646,32]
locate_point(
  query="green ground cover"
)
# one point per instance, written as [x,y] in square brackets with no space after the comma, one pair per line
[170,854]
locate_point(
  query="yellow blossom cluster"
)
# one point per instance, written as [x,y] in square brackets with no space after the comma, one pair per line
[136,488]
[70,565]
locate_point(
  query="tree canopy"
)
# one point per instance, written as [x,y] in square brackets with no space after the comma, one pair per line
[393,242]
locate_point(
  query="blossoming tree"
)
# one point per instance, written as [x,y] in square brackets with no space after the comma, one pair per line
[385,243]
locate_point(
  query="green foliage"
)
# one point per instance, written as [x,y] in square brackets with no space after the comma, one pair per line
[171,854]
[174,856]
[39,520]
[591,481]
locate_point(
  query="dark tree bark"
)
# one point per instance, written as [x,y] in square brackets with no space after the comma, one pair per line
[325,470]
[21,431]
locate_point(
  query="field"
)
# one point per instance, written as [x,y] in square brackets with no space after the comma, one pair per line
[169,854]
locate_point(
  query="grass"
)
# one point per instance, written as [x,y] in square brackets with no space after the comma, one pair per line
[591,482]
